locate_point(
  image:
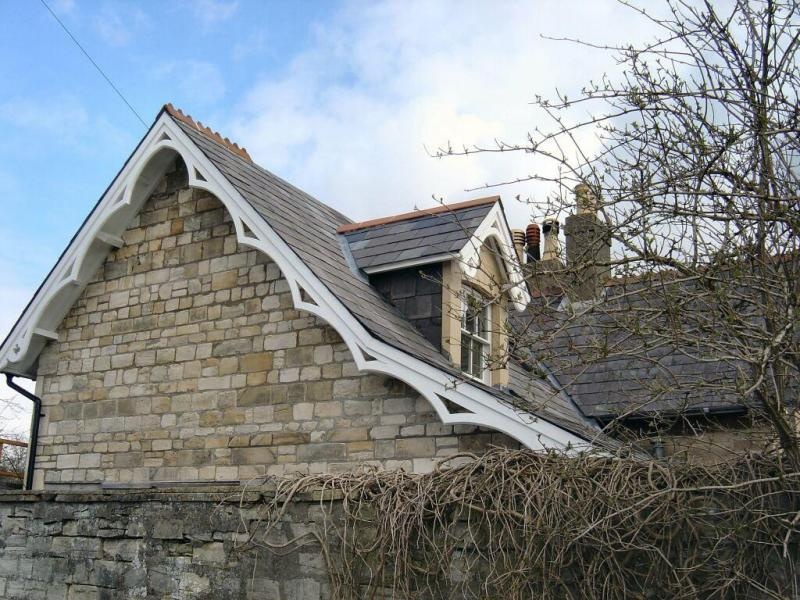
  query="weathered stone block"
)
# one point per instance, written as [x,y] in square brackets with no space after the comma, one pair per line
[123,549]
[213,553]
[85,592]
[193,584]
[83,547]
[254,362]
[282,438]
[415,447]
[280,341]
[168,530]
[254,396]
[321,452]
[252,455]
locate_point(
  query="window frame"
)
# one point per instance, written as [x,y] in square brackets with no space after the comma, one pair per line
[485,340]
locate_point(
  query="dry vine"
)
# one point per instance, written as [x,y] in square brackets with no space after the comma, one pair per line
[515,524]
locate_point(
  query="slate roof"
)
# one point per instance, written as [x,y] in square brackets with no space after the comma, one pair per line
[418,236]
[525,383]
[611,369]
[310,227]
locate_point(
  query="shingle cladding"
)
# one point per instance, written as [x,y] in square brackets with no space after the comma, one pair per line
[416,239]
[417,293]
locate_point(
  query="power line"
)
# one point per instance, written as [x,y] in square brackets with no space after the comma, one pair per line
[96,66]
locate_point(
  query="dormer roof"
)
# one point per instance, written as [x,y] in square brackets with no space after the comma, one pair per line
[438,234]
[416,238]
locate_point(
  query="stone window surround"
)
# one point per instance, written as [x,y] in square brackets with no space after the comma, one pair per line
[485,281]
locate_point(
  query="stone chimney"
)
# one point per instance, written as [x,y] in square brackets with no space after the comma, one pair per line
[543,263]
[552,245]
[518,236]
[588,246]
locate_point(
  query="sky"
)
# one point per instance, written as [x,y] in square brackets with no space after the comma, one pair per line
[347,100]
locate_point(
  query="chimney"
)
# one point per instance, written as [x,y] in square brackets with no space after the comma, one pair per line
[588,245]
[542,266]
[532,236]
[585,200]
[518,236]
[552,246]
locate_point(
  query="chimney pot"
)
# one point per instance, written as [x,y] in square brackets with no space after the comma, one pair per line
[552,249]
[533,236]
[585,200]
[518,237]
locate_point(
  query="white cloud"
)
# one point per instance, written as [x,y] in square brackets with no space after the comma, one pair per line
[351,117]
[199,81]
[118,23]
[211,12]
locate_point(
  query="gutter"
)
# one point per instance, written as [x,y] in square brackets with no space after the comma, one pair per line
[35,417]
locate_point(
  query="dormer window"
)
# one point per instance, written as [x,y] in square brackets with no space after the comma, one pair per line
[475,342]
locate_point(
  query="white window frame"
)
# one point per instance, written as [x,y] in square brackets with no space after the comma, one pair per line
[485,341]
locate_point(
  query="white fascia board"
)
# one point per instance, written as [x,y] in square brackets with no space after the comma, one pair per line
[405,264]
[495,227]
[123,200]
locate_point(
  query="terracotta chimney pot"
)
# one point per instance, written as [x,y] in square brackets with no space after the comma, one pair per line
[533,236]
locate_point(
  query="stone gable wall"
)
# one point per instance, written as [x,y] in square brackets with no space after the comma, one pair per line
[184,360]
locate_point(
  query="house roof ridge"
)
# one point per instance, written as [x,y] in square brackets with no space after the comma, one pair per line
[186,118]
[417,214]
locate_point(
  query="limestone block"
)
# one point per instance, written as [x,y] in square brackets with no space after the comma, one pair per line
[321,452]
[415,447]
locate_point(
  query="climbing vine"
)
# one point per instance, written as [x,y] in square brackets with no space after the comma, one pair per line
[516,524]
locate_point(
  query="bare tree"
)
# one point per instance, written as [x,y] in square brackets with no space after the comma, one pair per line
[14,455]
[8,410]
[693,173]
[13,446]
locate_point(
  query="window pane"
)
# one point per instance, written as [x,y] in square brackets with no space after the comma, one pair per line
[474,323]
[477,358]
[465,351]
[480,323]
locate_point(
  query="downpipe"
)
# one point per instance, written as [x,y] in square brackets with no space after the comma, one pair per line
[35,417]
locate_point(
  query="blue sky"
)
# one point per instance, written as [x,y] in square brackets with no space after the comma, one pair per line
[344,99]
[66,130]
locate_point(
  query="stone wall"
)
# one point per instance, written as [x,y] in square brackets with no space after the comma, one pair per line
[150,544]
[184,360]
